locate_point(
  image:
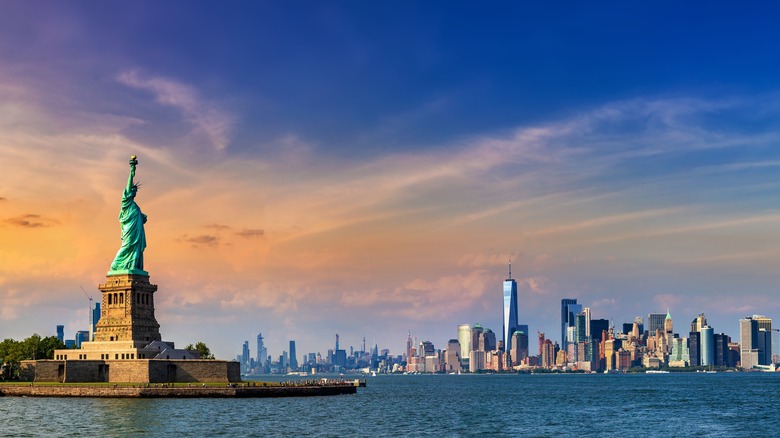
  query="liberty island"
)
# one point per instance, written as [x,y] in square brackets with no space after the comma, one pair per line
[127,348]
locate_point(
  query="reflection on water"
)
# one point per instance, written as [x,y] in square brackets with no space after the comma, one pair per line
[540,405]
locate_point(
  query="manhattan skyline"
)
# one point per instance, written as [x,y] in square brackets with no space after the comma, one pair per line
[369,169]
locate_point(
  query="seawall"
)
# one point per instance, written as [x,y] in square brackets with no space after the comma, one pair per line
[35,390]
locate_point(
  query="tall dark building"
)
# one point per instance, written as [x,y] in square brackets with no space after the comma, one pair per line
[597,326]
[764,345]
[722,350]
[245,357]
[694,348]
[293,357]
[628,327]
[61,333]
[95,321]
[569,308]
[340,358]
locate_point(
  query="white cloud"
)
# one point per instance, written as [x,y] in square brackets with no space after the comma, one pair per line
[207,117]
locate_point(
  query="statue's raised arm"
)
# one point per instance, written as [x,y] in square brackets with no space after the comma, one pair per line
[130,257]
[133,163]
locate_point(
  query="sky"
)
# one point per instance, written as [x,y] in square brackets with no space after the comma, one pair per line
[370,168]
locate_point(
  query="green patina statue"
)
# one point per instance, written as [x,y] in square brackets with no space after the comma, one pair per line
[130,257]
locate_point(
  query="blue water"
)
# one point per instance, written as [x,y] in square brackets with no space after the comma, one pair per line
[723,404]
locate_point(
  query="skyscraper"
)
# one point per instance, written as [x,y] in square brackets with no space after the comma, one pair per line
[694,348]
[95,320]
[262,353]
[510,309]
[764,343]
[426,349]
[519,349]
[569,308]
[81,336]
[722,356]
[640,325]
[655,321]
[452,357]
[339,355]
[476,334]
[755,338]
[698,322]
[464,338]
[581,327]
[61,333]
[597,326]
[707,346]
[293,357]
[245,357]
[586,312]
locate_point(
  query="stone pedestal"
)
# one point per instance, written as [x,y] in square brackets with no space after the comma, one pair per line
[127,310]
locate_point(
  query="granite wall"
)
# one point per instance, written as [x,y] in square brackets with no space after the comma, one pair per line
[137,371]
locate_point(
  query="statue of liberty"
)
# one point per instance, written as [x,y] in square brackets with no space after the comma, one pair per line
[130,257]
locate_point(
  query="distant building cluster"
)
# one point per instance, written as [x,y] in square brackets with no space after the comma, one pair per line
[81,335]
[586,344]
[594,345]
[335,361]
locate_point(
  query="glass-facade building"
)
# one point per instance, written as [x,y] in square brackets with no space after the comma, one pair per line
[293,356]
[510,311]
[94,322]
[707,346]
[680,350]
[694,342]
[569,309]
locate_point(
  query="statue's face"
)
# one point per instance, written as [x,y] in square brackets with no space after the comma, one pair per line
[133,191]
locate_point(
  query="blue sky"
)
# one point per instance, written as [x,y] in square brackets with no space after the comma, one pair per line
[369,168]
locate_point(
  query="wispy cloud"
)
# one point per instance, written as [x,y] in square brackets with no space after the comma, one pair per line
[31,221]
[249,233]
[200,240]
[675,229]
[207,117]
[217,227]
[603,221]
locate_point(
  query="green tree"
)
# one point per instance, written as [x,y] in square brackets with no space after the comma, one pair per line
[10,354]
[35,347]
[48,345]
[202,349]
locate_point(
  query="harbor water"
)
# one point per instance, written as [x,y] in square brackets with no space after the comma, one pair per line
[690,404]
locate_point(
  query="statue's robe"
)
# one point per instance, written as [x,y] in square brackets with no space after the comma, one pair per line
[131,254]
